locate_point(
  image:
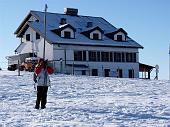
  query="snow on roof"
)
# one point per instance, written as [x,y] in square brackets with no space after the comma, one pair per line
[80,24]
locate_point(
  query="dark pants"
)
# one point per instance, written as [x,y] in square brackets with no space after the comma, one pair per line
[41,96]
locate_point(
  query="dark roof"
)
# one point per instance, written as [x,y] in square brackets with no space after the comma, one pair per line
[111,34]
[93,29]
[62,27]
[145,67]
[89,30]
[79,23]
[120,30]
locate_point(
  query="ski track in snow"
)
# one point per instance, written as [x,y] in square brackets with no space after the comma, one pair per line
[79,101]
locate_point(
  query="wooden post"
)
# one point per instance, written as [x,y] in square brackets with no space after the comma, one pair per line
[73,68]
[149,74]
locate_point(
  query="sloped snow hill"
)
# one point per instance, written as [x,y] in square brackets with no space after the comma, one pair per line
[77,101]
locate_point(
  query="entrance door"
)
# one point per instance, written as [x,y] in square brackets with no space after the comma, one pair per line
[83,72]
[106,72]
[131,73]
[94,72]
[120,73]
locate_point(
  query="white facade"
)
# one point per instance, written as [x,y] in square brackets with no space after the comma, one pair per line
[63,55]
[35,45]
[66,54]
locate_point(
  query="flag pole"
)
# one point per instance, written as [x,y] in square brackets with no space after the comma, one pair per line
[45,21]
[169,61]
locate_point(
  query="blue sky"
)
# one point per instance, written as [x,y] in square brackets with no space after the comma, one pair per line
[146,21]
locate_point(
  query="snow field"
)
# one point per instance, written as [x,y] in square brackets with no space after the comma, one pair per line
[80,101]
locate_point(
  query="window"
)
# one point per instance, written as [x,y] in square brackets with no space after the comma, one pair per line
[117,57]
[128,57]
[27,37]
[105,56]
[131,57]
[94,72]
[92,56]
[79,55]
[37,36]
[95,36]
[67,34]
[119,38]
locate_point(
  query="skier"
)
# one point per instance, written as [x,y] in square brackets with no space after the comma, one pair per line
[41,77]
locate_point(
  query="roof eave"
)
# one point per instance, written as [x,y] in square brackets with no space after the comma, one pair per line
[25,21]
[41,34]
[97,45]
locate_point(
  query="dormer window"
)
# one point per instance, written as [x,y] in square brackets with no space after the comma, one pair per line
[94,33]
[119,38]
[67,34]
[95,36]
[65,31]
[118,35]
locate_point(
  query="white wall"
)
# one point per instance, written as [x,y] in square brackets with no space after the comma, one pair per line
[29,45]
[48,50]
[35,45]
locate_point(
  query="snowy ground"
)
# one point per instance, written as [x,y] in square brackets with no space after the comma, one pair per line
[77,101]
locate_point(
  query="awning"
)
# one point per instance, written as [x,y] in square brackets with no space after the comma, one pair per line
[145,67]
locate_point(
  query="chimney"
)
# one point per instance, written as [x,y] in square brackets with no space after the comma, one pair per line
[71,11]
